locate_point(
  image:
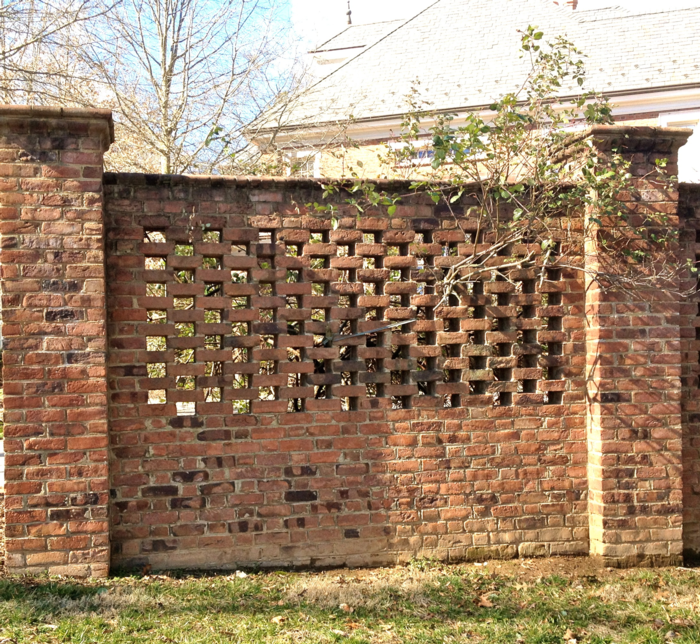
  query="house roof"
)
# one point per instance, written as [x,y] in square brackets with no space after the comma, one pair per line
[358,36]
[466,53]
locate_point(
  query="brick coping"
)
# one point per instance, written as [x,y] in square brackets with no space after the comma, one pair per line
[40,111]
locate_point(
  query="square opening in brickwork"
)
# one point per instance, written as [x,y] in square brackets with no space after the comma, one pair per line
[266,393]
[156,369]
[293,276]
[294,328]
[212,394]
[369,263]
[450,249]
[554,398]
[266,289]
[393,250]
[157,397]
[266,236]
[156,343]
[239,277]
[239,354]
[213,263]
[185,408]
[240,250]
[184,356]
[239,303]
[241,406]
[373,340]
[213,289]
[293,250]
[211,236]
[291,302]
[213,369]
[239,329]
[266,315]
[184,250]
[151,236]
[293,354]
[157,317]
[318,289]
[319,340]
[369,238]
[155,263]
[369,288]
[318,263]
[266,367]
[212,316]
[265,263]
[343,250]
[295,405]
[213,342]
[155,289]
[241,381]
[184,277]
[318,315]
[184,329]
[344,302]
[183,303]
[316,238]
[186,383]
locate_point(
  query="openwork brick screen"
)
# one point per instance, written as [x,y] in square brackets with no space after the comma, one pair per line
[199,373]
[236,332]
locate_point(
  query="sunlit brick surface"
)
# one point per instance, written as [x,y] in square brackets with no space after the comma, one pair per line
[249,411]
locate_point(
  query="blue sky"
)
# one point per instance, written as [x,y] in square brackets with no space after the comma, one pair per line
[318,20]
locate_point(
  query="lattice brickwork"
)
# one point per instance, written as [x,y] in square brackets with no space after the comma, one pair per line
[278,381]
[269,318]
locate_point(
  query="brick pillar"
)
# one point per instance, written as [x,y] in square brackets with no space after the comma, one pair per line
[53,306]
[634,384]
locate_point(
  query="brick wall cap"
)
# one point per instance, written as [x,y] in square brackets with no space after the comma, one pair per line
[137,178]
[39,111]
[637,131]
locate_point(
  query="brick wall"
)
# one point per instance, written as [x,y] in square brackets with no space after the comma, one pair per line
[250,424]
[54,334]
[369,451]
[690,347]
[634,366]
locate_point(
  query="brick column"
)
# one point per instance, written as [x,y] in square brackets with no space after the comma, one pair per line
[53,305]
[634,385]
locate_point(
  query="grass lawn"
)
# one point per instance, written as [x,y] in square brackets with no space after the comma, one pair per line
[564,601]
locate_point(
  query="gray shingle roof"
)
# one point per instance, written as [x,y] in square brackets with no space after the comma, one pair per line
[465,53]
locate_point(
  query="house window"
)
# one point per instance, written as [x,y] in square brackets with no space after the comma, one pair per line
[304,164]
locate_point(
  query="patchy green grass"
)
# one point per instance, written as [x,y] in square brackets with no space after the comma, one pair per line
[512,603]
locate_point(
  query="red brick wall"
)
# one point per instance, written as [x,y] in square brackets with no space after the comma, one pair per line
[327,484]
[53,305]
[634,378]
[690,339]
[239,436]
